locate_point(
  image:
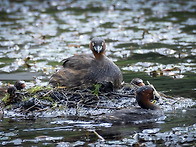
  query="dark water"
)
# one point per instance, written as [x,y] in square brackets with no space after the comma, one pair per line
[153,40]
[174,131]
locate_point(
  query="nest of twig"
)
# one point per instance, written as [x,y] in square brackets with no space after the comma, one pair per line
[43,98]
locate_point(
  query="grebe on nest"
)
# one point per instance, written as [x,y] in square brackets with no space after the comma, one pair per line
[138,82]
[17,86]
[147,112]
[12,90]
[85,70]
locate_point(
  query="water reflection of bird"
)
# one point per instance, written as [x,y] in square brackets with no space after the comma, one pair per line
[86,70]
[147,113]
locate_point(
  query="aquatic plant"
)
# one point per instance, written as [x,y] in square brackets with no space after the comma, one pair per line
[6,98]
[34,89]
[96,89]
[37,88]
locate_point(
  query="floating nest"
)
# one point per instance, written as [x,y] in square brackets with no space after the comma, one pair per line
[101,98]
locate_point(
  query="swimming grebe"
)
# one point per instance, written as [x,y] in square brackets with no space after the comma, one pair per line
[86,70]
[147,113]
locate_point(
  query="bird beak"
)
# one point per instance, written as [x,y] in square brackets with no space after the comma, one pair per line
[98,49]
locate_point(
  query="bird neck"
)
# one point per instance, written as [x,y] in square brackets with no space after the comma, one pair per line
[99,56]
[147,105]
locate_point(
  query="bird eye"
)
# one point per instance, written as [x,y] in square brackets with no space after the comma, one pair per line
[102,43]
[93,43]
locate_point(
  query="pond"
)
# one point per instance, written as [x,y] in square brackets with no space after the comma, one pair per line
[152,40]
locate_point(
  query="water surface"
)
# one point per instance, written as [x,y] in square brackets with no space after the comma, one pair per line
[153,40]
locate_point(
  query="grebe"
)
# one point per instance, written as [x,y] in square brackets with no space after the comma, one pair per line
[18,85]
[12,90]
[86,70]
[147,112]
[138,82]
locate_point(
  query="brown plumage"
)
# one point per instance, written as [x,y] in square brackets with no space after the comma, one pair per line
[86,69]
[138,82]
[144,95]
[147,113]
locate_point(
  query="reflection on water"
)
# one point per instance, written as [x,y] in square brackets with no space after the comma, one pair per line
[65,131]
[153,40]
